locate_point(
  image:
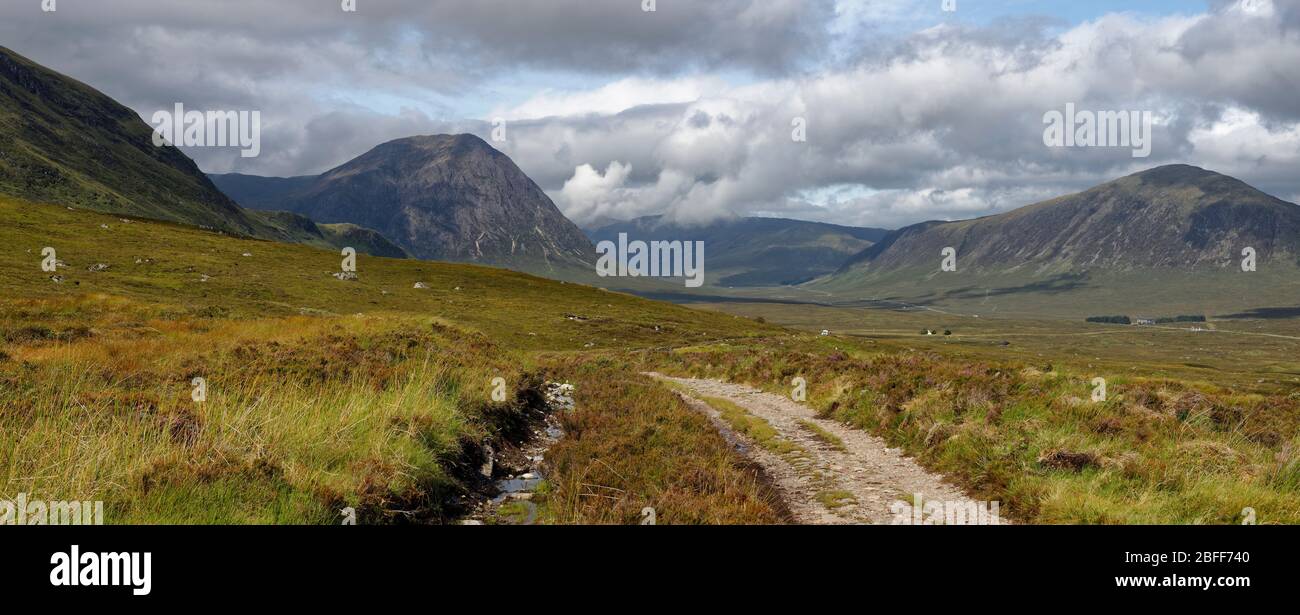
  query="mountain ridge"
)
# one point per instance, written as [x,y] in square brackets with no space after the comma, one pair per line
[64,142]
[1168,216]
[1169,240]
[439,197]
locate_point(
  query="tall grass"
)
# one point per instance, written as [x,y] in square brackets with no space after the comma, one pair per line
[301,418]
[630,443]
[1156,451]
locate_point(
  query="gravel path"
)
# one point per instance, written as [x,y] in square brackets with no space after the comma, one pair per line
[816,481]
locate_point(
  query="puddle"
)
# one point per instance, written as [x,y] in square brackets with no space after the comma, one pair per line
[511,486]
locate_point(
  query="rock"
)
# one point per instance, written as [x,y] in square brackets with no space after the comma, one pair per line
[57,279]
[346,276]
[528,476]
[97,267]
[486,468]
[247,254]
[559,396]
[522,495]
[421,285]
[471,522]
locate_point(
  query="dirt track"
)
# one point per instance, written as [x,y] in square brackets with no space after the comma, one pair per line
[815,481]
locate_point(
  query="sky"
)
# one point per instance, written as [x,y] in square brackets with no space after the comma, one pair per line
[907,111]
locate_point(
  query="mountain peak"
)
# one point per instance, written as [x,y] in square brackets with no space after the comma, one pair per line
[461,143]
[440,197]
[1175,173]
[1175,216]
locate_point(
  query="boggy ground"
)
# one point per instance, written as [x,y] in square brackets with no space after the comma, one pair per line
[374,394]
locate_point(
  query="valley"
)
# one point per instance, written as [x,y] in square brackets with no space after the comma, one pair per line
[373,394]
[1253,352]
[381,344]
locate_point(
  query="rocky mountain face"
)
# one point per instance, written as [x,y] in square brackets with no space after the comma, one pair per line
[1171,217]
[746,252]
[439,197]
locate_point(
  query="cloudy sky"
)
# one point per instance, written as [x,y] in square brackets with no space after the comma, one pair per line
[912,112]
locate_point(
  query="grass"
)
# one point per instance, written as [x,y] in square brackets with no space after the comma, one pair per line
[834,499]
[1253,354]
[375,394]
[321,393]
[631,443]
[1157,451]
[819,432]
[301,417]
[754,428]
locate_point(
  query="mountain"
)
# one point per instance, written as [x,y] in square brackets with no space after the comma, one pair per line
[756,251]
[63,142]
[1165,236]
[442,197]
[66,143]
[298,228]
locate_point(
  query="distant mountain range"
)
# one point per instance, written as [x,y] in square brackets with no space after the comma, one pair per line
[440,197]
[63,142]
[1170,236]
[747,252]
[1175,216]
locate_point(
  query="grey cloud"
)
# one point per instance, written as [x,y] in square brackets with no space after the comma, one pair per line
[946,123]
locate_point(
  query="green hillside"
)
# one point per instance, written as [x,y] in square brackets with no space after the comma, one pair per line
[324,393]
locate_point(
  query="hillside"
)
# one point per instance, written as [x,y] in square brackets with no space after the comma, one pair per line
[323,393]
[1164,239]
[756,251]
[64,142]
[450,198]
[200,271]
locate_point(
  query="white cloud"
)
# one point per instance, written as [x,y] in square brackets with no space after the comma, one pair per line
[611,98]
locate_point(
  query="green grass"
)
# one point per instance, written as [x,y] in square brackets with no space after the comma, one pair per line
[819,432]
[517,310]
[321,393]
[834,499]
[1255,354]
[374,394]
[754,428]
[631,443]
[1157,451]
